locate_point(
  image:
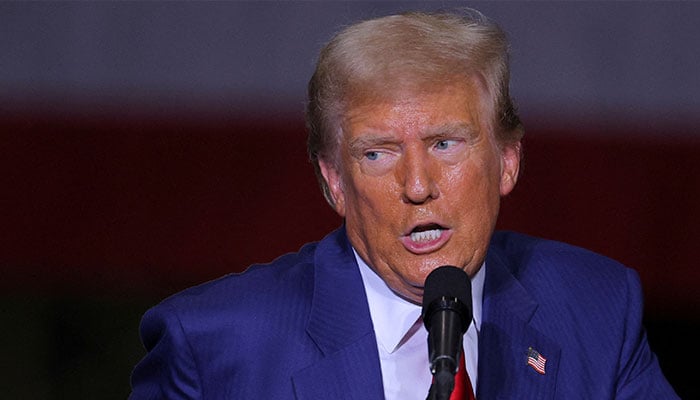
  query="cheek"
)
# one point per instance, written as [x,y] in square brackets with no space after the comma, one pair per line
[367,191]
[473,185]
[372,199]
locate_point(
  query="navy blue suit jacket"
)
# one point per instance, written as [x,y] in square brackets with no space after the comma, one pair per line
[300,328]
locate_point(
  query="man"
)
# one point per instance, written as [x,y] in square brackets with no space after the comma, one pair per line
[414,139]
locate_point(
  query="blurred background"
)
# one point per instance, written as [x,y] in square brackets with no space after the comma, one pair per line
[149,146]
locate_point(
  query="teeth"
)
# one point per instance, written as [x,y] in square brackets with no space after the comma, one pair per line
[426,236]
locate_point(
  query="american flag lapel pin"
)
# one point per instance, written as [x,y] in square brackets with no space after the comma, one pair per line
[536,360]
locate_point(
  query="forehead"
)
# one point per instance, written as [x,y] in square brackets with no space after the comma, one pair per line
[458,103]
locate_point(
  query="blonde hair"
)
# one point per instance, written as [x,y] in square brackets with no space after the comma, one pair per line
[411,50]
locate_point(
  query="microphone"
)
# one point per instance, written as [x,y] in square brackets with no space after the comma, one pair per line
[447,313]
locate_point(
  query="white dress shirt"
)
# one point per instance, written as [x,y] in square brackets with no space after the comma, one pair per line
[402,339]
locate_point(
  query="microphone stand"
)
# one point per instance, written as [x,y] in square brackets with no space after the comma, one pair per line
[442,386]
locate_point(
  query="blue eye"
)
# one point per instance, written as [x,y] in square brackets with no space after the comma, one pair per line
[372,155]
[442,144]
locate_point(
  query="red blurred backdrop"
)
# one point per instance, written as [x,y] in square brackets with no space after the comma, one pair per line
[112,204]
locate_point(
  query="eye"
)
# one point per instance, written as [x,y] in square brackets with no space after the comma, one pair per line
[377,161]
[444,144]
[372,155]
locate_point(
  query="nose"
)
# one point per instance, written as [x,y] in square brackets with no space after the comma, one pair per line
[419,177]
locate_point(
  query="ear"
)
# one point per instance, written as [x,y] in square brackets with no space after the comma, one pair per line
[330,173]
[510,166]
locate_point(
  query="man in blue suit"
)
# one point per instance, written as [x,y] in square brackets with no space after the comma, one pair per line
[414,139]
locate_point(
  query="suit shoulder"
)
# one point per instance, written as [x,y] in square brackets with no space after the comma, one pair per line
[258,284]
[569,281]
[520,253]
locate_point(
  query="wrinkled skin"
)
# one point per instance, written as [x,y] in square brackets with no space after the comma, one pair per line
[422,161]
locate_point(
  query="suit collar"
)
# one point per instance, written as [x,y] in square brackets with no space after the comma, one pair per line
[502,291]
[341,326]
[339,310]
[507,332]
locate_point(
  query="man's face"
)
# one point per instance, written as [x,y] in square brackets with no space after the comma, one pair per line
[418,181]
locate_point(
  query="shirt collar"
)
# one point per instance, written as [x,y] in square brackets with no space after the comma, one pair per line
[393,317]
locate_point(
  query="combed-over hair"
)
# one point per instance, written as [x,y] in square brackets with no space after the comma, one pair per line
[412,50]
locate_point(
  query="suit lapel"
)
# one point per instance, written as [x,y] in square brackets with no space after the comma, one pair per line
[505,337]
[341,327]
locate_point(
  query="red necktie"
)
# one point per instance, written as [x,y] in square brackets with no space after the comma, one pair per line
[463,387]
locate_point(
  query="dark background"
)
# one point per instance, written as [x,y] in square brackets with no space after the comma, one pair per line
[147,147]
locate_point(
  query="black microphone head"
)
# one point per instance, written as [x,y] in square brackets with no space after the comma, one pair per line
[447,282]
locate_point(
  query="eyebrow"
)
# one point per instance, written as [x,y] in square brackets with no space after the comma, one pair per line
[450,129]
[370,140]
[359,144]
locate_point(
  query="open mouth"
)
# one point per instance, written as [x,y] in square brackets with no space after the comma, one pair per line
[426,238]
[426,233]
